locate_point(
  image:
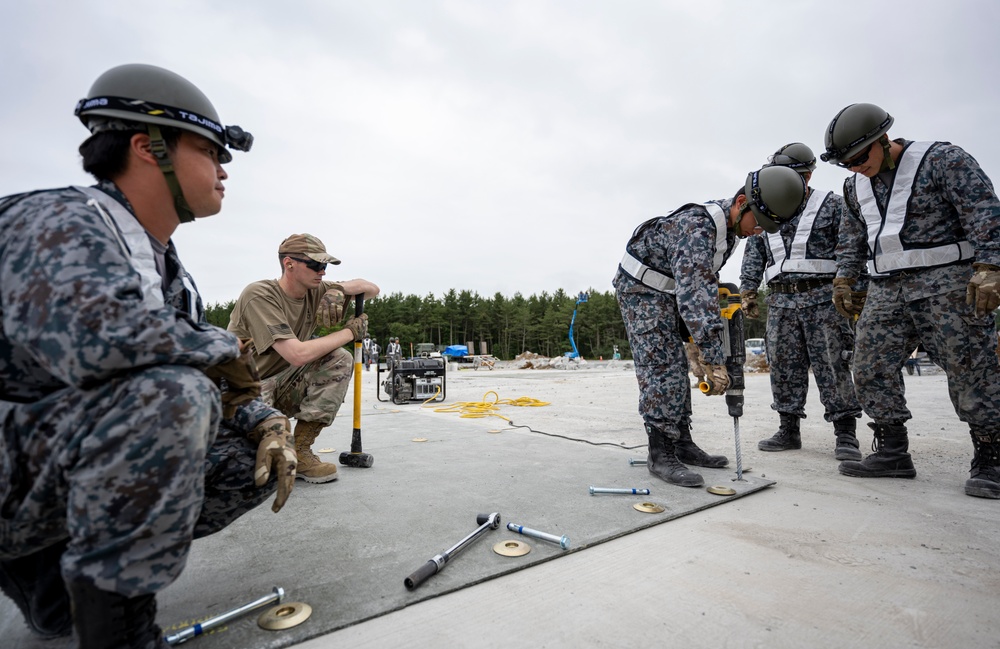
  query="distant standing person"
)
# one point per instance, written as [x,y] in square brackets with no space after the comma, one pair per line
[366,351]
[926,220]
[804,330]
[306,378]
[667,288]
[393,353]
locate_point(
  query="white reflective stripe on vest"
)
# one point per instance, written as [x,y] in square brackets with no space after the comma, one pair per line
[135,246]
[655,279]
[884,245]
[647,276]
[796,260]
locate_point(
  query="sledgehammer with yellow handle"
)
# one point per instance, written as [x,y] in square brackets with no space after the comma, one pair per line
[356,458]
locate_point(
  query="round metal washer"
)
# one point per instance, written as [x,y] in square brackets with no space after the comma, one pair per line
[649,508]
[326,450]
[419,439]
[284,616]
[494,431]
[721,491]
[512,548]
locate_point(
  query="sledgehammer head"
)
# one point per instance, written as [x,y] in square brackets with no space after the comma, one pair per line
[357,460]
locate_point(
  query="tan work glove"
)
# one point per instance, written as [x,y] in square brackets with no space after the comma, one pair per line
[358,326]
[717,379]
[237,379]
[984,288]
[849,303]
[748,302]
[330,310]
[275,452]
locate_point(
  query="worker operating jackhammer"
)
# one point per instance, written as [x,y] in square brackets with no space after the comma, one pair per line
[666,285]
[734,343]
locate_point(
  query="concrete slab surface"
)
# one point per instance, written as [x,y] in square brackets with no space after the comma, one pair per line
[818,560]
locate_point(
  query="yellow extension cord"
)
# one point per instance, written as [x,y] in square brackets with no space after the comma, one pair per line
[484,408]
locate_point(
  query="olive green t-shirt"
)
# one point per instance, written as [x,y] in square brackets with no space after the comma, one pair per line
[266,314]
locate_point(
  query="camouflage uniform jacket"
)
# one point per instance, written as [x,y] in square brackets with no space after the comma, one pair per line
[685,245]
[952,201]
[806,250]
[72,307]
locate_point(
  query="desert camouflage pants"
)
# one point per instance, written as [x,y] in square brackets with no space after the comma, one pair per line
[313,392]
[652,325]
[129,471]
[819,337]
[957,340]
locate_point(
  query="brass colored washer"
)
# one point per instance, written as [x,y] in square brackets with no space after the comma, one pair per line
[326,450]
[721,491]
[419,439]
[284,616]
[649,508]
[512,548]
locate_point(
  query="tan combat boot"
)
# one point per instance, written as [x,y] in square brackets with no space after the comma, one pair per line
[310,468]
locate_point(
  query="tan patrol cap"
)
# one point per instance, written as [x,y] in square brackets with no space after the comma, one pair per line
[308,246]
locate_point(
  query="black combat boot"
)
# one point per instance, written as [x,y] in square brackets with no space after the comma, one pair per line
[35,584]
[787,438]
[847,440]
[889,460]
[689,453]
[106,620]
[663,463]
[984,476]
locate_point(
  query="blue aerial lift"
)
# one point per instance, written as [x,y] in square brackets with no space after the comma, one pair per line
[583,297]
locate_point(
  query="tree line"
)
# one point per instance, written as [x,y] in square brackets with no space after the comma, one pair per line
[508,325]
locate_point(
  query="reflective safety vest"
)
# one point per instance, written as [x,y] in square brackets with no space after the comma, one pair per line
[661,280]
[887,253]
[796,259]
[134,242]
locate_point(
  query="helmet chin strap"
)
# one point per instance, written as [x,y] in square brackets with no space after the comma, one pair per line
[158,146]
[888,164]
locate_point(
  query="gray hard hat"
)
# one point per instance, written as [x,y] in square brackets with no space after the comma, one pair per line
[853,130]
[775,195]
[146,94]
[795,156]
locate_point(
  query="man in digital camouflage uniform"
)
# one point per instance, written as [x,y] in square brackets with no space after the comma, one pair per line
[116,449]
[926,219]
[304,377]
[804,329]
[667,288]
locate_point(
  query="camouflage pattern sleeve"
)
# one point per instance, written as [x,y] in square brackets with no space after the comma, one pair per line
[969,190]
[72,303]
[697,284]
[250,414]
[852,240]
[754,261]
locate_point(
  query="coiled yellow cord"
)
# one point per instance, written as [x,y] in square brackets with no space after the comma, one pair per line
[484,408]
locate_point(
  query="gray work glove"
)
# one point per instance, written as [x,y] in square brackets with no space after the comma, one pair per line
[849,303]
[330,310]
[984,288]
[748,302]
[275,452]
[358,326]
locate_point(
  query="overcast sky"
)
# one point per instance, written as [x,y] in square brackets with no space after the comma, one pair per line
[494,146]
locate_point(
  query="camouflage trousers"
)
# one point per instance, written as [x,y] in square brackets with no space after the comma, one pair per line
[652,325]
[956,339]
[313,392]
[129,472]
[815,336]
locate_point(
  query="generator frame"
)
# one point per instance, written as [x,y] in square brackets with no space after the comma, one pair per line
[411,379]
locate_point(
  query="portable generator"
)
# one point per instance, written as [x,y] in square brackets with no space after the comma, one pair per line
[412,379]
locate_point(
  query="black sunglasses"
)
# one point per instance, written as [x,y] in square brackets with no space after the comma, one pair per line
[314,266]
[858,160]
